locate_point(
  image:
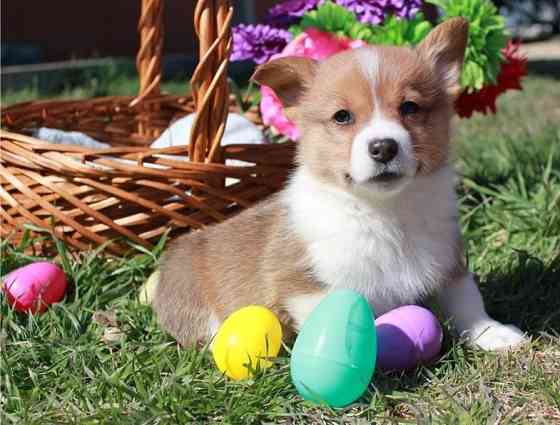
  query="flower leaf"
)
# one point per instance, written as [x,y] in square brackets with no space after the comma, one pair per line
[329,17]
[487,38]
[401,31]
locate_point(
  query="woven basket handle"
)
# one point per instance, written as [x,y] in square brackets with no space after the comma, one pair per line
[148,59]
[212,21]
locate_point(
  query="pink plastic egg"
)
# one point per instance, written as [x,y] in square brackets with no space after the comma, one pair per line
[34,287]
[407,337]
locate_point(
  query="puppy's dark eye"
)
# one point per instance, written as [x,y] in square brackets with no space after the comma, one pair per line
[409,108]
[343,117]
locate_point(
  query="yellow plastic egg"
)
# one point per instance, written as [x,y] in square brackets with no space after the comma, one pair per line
[245,337]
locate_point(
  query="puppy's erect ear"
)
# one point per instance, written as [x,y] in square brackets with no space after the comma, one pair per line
[288,77]
[445,48]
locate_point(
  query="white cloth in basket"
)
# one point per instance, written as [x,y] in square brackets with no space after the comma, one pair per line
[239,130]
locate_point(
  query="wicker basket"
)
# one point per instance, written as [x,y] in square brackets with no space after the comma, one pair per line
[87,197]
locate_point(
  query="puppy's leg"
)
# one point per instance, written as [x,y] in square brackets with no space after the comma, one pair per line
[462,303]
[300,306]
[178,298]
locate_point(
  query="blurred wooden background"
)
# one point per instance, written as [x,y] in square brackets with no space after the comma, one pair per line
[73,29]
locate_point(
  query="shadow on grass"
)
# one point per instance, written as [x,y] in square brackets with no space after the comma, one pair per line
[526,295]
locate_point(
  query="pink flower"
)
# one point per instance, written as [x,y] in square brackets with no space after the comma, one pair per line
[317,45]
[312,44]
[273,114]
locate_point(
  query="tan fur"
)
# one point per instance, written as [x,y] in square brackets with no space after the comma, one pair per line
[288,77]
[256,257]
[250,260]
[347,89]
[444,48]
[406,76]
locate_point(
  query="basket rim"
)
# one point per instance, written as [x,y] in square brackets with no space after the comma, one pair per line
[37,110]
[145,157]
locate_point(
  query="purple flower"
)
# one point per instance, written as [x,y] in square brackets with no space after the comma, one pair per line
[289,11]
[374,11]
[257,42]
[406,8]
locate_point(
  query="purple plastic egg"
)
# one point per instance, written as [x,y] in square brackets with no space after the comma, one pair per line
[407,337]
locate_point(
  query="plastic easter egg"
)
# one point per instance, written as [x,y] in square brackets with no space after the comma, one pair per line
[407,336]
[333,357]
[148,289]
[247,337]
[34,287]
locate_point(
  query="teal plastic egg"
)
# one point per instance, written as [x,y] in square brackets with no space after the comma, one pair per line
[333,357]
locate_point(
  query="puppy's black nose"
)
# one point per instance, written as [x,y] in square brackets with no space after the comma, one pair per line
[383,150]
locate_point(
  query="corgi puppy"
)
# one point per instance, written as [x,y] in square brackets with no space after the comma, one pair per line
[370,206]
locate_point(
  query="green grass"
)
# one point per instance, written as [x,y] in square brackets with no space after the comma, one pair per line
[115,79]
[62,368]
[120,86]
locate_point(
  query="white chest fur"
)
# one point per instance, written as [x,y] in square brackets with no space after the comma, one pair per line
[392,251]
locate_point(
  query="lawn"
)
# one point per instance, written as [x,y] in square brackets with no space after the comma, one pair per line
[113,79]
[99,356]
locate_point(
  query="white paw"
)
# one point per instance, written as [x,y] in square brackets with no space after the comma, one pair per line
[494,336]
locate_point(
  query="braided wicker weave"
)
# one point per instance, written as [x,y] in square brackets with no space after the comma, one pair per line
[87,197]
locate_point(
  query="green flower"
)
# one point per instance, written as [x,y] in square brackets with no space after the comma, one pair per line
[332,18]
[487,34]
[396,31]
[487,38]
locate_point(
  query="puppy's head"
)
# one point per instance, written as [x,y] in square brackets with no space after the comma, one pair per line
[375,117]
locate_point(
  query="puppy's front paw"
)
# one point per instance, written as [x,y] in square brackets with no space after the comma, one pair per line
[494,336]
